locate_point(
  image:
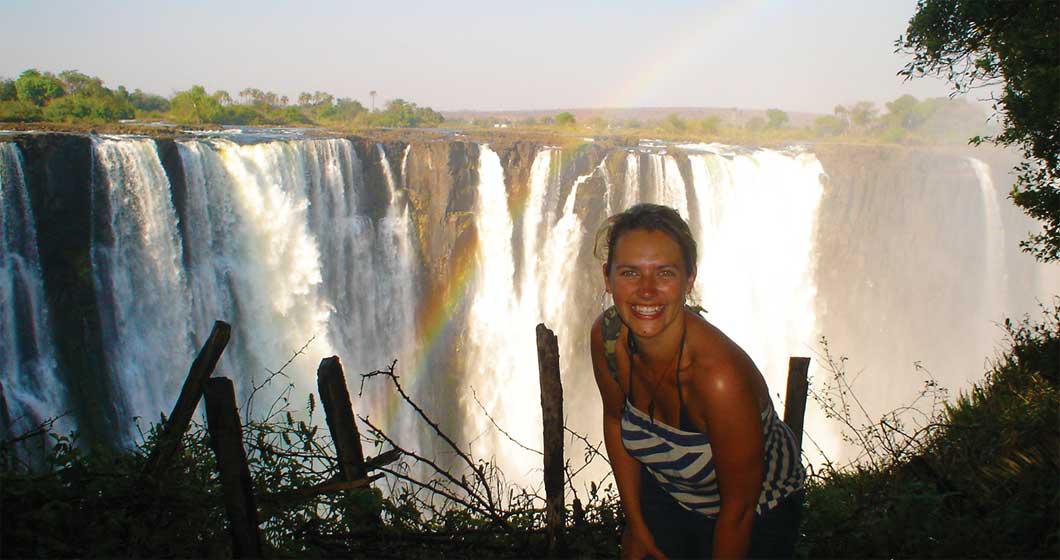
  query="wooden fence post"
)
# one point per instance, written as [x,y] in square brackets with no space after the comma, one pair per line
[201,370]
[552,420]
[226,438]
[338,411]
[795,401]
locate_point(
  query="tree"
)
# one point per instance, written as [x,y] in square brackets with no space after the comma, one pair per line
[195,106]
[8,91]
[148,101]
[711,124]
[862,114]
[776,118]
[982,43]
[829,125]
[674,123]
[564,119]
[904,112]
[36,88]
[222,97]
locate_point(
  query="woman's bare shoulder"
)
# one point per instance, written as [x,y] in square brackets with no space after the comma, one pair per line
[715,358]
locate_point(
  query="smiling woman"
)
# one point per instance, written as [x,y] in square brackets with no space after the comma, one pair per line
[704,466]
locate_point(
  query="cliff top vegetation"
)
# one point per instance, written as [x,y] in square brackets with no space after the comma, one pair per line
[72,100]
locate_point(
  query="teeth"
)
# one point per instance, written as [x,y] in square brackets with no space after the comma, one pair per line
[645,310]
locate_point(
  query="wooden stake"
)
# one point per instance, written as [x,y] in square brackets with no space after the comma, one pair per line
[331,384]
[201,370]
[226,438]
[795,401]
[552,420]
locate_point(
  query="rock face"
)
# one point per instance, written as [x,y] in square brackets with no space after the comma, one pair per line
[59,175]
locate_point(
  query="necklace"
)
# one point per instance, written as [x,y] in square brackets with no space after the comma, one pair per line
[631,343]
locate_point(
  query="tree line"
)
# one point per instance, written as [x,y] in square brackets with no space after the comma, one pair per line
[73,97]
[903,120]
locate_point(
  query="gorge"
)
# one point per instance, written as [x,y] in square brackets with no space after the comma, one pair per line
[119,252]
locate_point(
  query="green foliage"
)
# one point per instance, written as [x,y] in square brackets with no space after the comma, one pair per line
[36,88]
[7,90]
[976,43]
[674,123]
[84,106]
[195,106]
[564,119]
[20,111]
[344,109]
[775,118]
[89,504]
[401,113]
[976,478]
[829,125]
[148,102]
[710,125]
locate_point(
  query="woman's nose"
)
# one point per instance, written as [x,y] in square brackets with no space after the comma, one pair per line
[647,286]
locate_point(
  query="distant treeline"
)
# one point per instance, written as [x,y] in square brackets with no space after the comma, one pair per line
[906,119]
[73,97]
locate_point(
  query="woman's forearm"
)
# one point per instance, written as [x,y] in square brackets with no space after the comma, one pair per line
[627,473]
[732,532]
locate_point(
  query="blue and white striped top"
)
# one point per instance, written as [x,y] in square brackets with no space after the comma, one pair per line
[682,461]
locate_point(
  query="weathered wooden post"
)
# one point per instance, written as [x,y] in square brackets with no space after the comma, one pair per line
[795,401]
[226,438]
[201,370]
[552,420]
[338,411]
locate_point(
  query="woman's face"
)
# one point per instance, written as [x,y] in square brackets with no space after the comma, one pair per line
[648,281]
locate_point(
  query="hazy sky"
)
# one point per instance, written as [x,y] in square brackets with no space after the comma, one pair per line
[806,55]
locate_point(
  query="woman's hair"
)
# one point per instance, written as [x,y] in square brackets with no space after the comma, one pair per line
[651,217]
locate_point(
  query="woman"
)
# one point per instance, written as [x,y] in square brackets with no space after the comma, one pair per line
[704,467]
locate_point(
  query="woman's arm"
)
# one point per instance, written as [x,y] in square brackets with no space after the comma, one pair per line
[637,541]
[732,418]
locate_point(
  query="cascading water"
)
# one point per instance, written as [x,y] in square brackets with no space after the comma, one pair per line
[757,221]
[291,242]
[994,303]
[499,333]
[29,389]
[139,277]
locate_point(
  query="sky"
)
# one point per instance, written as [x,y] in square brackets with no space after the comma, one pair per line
[804,55]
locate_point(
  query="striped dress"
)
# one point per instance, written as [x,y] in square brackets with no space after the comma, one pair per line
[682,461]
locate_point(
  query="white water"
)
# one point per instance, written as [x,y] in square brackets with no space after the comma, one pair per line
[139,277]
[31,392]
[278,241]
[756,260]
[500,333]
[994,278]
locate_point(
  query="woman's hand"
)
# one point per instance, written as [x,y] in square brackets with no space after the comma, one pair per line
[637,544]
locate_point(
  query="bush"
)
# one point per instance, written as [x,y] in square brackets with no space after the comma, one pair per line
[19,111]
[982,482]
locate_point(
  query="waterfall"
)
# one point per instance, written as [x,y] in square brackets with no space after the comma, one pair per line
[993,236]
[395,241]
[315,243]
[500,335]
[29,389]
[274,209]
[139,277]
[757,222]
